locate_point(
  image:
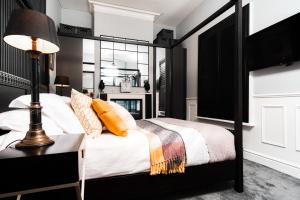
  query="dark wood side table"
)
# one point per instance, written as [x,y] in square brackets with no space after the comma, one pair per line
[42,169]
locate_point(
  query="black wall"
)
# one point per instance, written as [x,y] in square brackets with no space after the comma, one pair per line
[12,60]
[176,83]
[178,89]
[69,62]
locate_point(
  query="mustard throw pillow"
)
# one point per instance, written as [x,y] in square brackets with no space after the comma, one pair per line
[110,118]
[81,105]
[124,114]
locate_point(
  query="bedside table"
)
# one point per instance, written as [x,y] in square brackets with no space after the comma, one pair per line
[42,169]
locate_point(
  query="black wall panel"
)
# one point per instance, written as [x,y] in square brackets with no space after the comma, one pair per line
[12,60]
[69,62]
[178,100]
[216,71]
[175,105]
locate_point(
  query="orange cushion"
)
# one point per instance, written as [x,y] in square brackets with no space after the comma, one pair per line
[108,115]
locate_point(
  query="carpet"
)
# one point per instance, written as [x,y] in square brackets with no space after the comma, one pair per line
[260,183]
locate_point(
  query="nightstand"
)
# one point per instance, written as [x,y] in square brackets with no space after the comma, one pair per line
[55,167]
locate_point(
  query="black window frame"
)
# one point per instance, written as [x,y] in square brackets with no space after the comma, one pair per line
[125,69]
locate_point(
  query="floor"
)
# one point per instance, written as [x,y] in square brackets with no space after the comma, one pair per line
[261,183]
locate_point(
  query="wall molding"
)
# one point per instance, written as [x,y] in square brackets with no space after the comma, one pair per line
[276,95]
[191,98]
[297,128]
[272,162]
[250,124]
[263,126]
[123,10]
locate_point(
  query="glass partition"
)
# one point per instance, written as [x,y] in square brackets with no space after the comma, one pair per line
[120,61]
[88,66]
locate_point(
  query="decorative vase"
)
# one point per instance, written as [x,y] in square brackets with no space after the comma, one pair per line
[101,86]
[147,86]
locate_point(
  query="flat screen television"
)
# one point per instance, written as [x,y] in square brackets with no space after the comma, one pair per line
[276,45]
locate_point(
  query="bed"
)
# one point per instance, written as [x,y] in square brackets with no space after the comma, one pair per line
[136,183]
[122,163]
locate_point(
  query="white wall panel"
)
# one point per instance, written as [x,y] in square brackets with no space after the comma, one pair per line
[191,109]
[76,18]
[274,125]
[53,10]
[297,124]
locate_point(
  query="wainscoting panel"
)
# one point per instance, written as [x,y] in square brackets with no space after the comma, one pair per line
[274,125]
[274,140]
[297,132]
[191,109]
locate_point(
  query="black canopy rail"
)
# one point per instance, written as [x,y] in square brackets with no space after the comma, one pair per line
[205,22]
[115,40]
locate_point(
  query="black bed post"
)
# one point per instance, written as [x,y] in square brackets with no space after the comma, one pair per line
[154,84]
[238,94]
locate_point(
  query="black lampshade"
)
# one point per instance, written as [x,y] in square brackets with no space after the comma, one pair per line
[25,25]
[62,81]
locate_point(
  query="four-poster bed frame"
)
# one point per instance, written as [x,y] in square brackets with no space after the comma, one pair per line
[142,184]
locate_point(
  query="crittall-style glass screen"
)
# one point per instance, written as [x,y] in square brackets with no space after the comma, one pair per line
[88,66]
[123,61]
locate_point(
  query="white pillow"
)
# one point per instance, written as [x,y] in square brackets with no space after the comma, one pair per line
[124,114]
[24,100]
[18,120]
[54,108]
[67,100]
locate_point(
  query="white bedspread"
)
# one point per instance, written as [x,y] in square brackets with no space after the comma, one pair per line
[110,155]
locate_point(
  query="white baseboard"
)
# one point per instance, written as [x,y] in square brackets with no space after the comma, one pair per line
[275,163]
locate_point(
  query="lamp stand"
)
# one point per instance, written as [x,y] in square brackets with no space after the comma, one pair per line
[36,136]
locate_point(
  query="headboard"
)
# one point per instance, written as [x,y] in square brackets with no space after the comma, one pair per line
[11,86]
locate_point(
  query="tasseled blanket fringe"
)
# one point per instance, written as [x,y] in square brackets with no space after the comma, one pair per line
[162,168]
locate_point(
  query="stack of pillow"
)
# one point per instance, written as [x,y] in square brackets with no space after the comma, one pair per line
[75,115]
[114,117]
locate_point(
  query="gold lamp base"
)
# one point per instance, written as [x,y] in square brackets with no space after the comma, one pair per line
[35,138]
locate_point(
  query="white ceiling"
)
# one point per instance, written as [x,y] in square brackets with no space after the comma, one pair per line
[172,12]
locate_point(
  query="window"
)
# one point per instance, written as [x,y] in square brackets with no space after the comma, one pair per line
[120,60]
[88,66]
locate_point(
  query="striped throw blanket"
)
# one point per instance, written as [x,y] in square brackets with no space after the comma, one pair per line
[167,150]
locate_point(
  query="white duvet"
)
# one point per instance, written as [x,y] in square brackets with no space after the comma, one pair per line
[109,155]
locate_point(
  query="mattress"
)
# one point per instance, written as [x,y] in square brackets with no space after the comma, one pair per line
[109,155]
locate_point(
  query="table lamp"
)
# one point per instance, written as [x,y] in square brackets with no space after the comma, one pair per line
[61,81]
[35,33]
